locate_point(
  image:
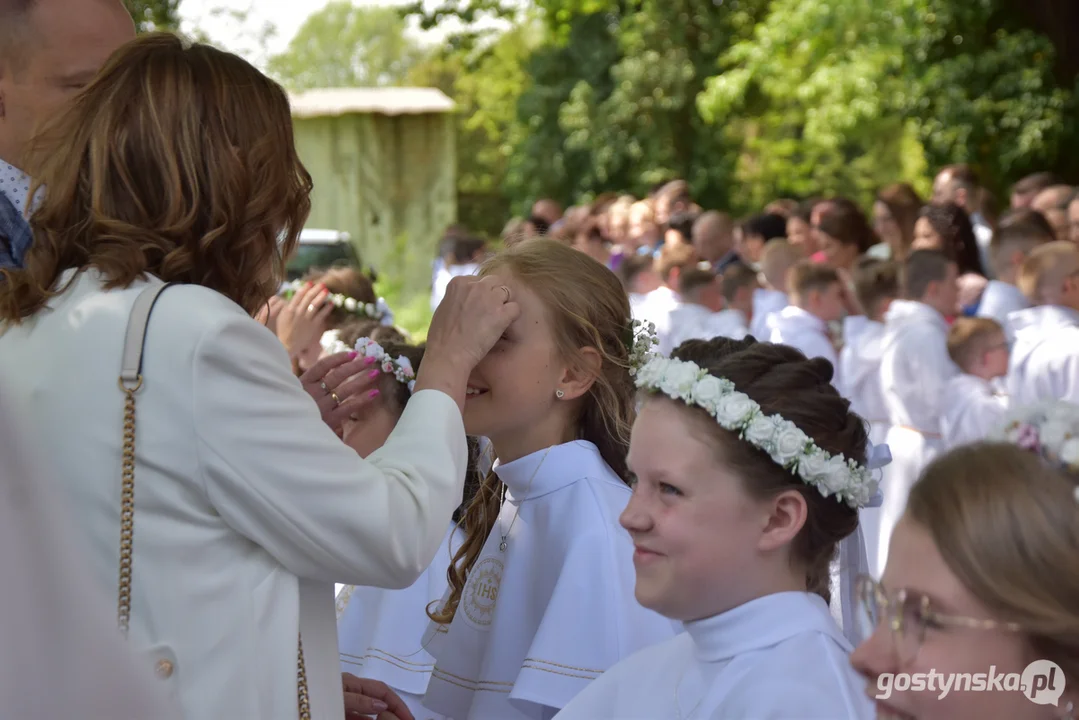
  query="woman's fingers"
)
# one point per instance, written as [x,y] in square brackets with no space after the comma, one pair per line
[317,373]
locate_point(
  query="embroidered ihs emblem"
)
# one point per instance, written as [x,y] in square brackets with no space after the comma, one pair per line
[481,591]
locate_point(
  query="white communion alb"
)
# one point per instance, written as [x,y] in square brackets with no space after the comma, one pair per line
[1045,355]
[1001,299]
[541,620]
[973,410]
[778,656]
[805,332]
[915,367]
[766,303]
[380,632]
[696,322]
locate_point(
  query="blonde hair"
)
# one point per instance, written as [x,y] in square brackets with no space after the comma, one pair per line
[807,276]
[970,337]
[1007,525]
[1045,269]
[587,307]
[177,161]
[777,258]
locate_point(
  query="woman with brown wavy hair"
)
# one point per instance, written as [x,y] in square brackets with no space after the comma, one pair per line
[176,169]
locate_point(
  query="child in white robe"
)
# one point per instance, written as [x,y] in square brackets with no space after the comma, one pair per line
[659,305]
[1045,356]
[1016,237]
[694,320]
[816,294]
[972,407]
[876,286]
[639,278]
[462,258]
[740,285]
[915,367]
[702,300]
[541,600]
[380,632]
[727,488]
[777,259]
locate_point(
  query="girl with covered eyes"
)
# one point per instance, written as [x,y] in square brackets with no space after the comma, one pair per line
[540,599]
[982,580]
[749,471]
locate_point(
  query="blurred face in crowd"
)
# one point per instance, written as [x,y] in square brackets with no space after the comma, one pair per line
[926,237]
[799,233]
[1073,221]
[947,190]
[641,225]
[944,295]
[839,255]
[59,48]
[886,227]
[826,304]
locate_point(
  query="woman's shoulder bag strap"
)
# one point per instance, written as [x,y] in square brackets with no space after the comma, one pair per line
[130,382]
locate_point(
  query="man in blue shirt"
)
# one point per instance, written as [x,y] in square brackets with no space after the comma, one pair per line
[49,50]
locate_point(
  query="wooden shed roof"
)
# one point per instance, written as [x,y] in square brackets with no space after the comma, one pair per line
[379,101]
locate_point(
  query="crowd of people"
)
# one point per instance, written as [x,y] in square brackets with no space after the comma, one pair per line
[648,463]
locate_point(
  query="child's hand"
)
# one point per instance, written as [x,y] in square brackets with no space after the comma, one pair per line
[302,320]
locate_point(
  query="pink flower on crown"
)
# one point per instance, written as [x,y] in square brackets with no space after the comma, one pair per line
[1027,437]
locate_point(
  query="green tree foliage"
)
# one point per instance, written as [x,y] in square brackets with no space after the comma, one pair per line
[613,102]
[344,45]
[750,100]
[485,78]
[846,96]
[154,14]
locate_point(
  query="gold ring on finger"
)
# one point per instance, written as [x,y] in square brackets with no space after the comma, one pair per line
[336,400]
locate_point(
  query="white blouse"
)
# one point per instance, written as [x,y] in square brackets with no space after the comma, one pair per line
[542,619]
[779,656]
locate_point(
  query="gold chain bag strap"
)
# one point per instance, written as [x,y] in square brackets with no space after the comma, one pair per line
[130,383]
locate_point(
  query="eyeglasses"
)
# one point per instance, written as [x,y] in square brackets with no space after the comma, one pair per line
[909,616]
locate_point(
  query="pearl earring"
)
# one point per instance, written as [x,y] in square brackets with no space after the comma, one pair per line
[559,394]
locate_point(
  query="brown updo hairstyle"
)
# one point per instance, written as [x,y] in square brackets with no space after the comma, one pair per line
[1007,525]
[368,328]
[176,161]
[784,382]
[350,282]
[587,307]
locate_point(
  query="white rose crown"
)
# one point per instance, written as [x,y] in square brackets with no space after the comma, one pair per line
[789,447]
[378,310]
[400,367]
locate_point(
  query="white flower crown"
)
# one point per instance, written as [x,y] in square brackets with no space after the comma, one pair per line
[788,446]
[400,367]
[642,340]
[1049,429]
[378,310]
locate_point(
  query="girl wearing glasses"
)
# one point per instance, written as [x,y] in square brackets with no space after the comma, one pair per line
[982,580]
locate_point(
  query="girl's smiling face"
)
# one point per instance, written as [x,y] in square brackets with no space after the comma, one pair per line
[694,527]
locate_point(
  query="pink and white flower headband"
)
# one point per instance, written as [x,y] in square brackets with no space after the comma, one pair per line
[1049,429]
[789,447]
[400,367]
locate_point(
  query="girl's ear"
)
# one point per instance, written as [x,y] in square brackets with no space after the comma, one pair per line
[787,513]
[577,378]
